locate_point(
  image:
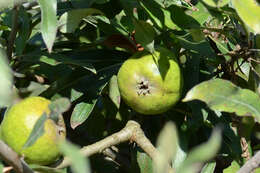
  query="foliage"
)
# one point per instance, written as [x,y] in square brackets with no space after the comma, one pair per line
[71,51]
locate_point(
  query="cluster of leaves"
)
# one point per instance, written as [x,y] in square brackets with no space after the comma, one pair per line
[74,49]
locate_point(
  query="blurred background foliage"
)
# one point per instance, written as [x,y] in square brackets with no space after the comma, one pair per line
[74,49]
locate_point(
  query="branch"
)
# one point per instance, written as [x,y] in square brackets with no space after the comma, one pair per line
[12,159]
[13,33]
[251,164]
[131,132]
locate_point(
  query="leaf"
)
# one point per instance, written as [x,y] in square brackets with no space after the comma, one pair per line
[209,168]
[95,84]
[39,168]
[144,35]
[81,112]
[144,162]
[202,153]
[37,131]
[48,22]
[216,3]
[79,163]
[222,95]
[70,20]
[6,80]
[249,12]
[1,167]
[166,144]
[60,105]
[114,93]
[181,151]
[57,107]
[234,167]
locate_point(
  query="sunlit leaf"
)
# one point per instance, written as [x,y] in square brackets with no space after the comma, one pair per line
[114,93]
[145,163]
[6,80]
[216,3]
[81,112]
[234,167]
[166,145]
[70,20]
[249,12]
[48,169]
[48,21]
[209,168]
[222,95]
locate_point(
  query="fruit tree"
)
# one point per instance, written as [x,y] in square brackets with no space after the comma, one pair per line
[130,86]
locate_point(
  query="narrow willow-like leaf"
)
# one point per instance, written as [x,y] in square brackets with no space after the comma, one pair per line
[37,131]
[79,163]
[81,112]
[216,3]
[70,20]
[249,12]
[57,107]
[60,105]
[48,22]
[202,153]
[209,168]
[6,80]
[114,93]
[144,34]
[40,168]
[222,95]
[166,145]
[145,163]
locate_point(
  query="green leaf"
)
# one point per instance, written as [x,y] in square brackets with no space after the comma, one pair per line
[70,20]
[234,167]
[145,163]
[201,15]
[6,80]
[222,95]
[114,93]
[57,107]
[202,153]
[216,3]
[209,168]
[1,167]
[40,168]
[81,112]
[95,84]
[60,105]
[48,22]
[144,35]
[181,151]
[249,12]
[79,163]
[37,131]
[166,144]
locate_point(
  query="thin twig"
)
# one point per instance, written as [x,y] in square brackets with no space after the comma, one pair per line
[12,158]
[251,164]
[10,45]
[116,157]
